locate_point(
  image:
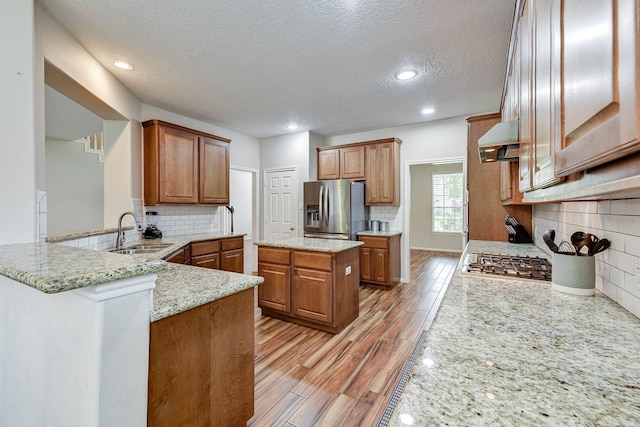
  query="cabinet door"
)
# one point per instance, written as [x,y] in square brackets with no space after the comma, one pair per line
[232,261]
[382,176]
[380,270]
[207,261]
[214,171]
[352,162]
[547,91]
[312,291]
[275,292]
[599,89]
[329,164]
[524,50]
[178,166]
[366,263]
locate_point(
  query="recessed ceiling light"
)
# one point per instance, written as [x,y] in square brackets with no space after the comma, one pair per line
[123,65]
[428,111]
[292,126]
[406,75]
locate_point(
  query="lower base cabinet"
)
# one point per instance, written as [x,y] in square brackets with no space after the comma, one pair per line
[201,365]
[220,254]
[380,261]
[315,289]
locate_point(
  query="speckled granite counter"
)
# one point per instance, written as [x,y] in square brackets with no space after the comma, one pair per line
[310,244]
[52,268]
[516,353]
[182,287]
[379,233]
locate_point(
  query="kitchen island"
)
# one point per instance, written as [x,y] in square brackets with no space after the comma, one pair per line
[515,352]
[311,282]
[75,335]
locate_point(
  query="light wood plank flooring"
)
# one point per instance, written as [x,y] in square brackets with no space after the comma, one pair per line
[305,377]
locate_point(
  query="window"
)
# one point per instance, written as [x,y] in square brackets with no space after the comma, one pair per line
[447,202]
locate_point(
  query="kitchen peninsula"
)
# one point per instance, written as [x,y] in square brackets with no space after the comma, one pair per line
[75,331]
[312,282]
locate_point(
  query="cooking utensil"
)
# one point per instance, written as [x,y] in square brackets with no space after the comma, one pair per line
[601,245]
[590,241]
[578,240]
[566,248]
[548,237]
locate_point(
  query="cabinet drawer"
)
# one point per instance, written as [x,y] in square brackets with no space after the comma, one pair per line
[314,260]
[375,242]
[231,244]
[205,248]
[207,261]
[276,256]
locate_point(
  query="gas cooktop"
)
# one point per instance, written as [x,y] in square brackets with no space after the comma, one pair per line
[517,267]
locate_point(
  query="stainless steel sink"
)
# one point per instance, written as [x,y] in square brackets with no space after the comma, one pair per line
[142,249]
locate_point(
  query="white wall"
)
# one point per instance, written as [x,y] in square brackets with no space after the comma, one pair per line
[422,142]
[618,268]
[315,141]
[287,151]
[18,218]
[74,187]
[421,212]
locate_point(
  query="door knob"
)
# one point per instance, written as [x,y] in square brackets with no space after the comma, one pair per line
[292,228]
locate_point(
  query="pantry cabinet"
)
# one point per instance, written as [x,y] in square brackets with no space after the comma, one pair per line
[314,289]
[184,166]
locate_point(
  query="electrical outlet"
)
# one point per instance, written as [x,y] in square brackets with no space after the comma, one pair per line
[637,275]
[347,271]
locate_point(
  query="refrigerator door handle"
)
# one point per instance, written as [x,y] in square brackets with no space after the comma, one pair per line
[327,205]
[321,206]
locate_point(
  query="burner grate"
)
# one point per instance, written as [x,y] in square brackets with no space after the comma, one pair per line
[520,267]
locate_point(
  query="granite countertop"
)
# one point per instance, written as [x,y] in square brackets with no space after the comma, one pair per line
[312,244]
[182,287]
[510,352]
[379,233]
[52,268]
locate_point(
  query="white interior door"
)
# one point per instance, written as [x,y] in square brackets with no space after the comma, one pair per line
[243,185]
[281,201]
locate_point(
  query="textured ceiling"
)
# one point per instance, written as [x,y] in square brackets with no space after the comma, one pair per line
[254,66]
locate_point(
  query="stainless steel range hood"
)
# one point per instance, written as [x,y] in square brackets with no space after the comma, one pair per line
[500,143]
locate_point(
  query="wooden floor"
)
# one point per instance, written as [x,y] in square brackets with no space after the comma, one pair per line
[306,377]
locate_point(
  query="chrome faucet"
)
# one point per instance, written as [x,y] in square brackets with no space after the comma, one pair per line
[120,239]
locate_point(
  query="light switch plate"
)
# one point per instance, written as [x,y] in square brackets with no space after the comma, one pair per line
[347,271]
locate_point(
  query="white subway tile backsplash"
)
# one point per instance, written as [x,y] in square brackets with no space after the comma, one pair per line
[618,221]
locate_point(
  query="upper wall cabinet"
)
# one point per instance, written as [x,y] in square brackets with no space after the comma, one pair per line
[599,83]
[377,162]
[184,166]
[383,173]
[341,163]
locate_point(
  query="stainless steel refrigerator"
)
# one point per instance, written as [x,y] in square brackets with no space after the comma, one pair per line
[335,209]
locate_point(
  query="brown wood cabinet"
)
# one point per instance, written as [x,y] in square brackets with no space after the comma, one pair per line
[380,260]
[225,254]
[383,173]
[232,254]
[314,289]
[341,163]
[184,166]
[599,83]
[487,188]
[201,365]
[377,162]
